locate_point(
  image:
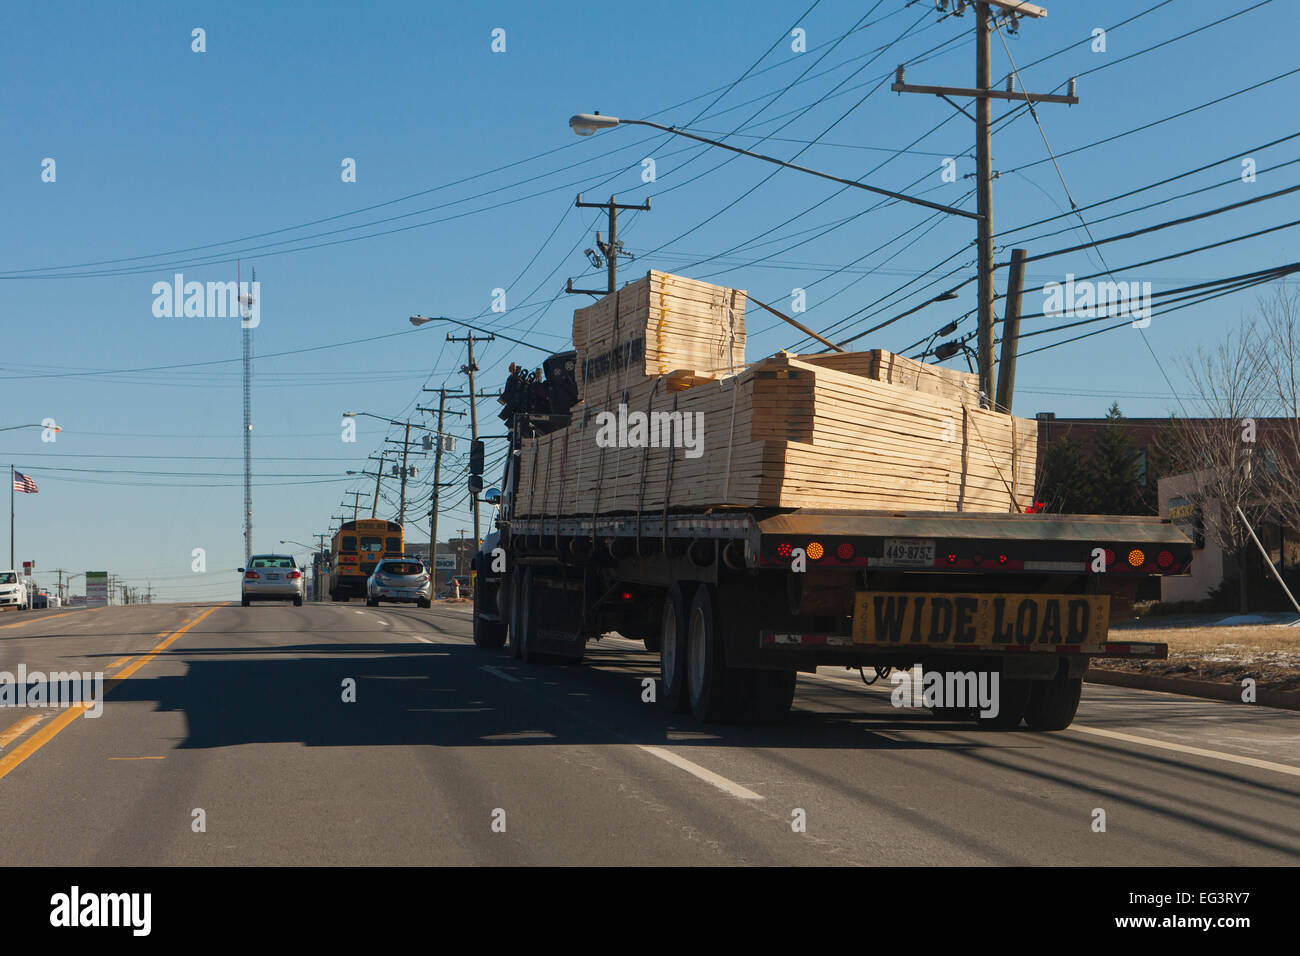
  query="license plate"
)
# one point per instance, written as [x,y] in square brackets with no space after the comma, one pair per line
[1024,621]
[273,577]
[909,552]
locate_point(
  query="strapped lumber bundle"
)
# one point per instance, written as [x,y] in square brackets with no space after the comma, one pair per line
[660,324]
[863,430]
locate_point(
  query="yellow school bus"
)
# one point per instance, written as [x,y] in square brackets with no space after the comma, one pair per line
[357,547]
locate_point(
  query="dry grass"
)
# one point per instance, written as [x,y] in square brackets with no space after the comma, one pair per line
[1268,653]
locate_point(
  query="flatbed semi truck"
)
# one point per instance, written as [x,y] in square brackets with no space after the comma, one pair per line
[736,601]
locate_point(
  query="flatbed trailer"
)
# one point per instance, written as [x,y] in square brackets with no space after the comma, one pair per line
[737,601]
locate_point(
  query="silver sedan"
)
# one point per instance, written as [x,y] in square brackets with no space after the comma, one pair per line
[400,580]
[272,577]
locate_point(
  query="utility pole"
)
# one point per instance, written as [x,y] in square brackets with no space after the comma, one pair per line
[443,395]
[401,507]
[356,502]
[610,251]
[1011,332]
[469,369]
[460,549]
[246,301]
[379,474]
[984,175]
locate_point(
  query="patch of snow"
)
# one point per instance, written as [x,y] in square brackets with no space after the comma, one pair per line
[1244,620]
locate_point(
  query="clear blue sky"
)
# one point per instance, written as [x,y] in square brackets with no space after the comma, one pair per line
[160,150]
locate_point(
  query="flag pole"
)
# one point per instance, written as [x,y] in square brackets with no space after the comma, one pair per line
[11,516]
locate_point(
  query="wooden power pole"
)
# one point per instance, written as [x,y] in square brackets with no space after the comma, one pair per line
[439,437]
[983,95]
[609,251]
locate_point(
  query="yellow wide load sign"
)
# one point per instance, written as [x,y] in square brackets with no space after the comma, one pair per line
[1030,621]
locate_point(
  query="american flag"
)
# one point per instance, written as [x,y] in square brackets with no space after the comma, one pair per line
[24,484]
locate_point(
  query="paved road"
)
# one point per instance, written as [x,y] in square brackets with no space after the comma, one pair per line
[238,712]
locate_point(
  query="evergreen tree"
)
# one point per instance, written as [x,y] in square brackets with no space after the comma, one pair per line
[1113,470]
[1060,484]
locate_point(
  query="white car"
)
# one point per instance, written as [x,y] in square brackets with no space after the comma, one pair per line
[13,591]
[272,577]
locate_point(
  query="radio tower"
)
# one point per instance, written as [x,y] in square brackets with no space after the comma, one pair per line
[246,302]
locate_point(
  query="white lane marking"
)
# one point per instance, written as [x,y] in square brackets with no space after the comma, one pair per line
[1196,751]
[708,776]
[499,673]
[835,680]
[424,640]
[358,612]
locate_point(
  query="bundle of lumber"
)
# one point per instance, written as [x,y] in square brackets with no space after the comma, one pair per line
[658,324]
[847,431]
[948,383]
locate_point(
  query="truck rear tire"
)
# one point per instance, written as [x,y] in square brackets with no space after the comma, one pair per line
[768,695]
[487,634]
[715,689]
[521,616]
[1013,700]
[1053,703]
[672,649]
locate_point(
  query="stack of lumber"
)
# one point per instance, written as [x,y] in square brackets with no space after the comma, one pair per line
[849,431]
[948,383]
[658,324]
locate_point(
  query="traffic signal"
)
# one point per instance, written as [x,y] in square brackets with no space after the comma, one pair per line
[476,458]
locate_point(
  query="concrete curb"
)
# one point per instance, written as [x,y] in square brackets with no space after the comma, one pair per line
[1285,699]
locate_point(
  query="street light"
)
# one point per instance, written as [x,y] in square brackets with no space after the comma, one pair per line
[418,320]
[584,124]
[13,428]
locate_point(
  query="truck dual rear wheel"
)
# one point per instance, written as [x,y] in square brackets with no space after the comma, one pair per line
[520,596]
[673,628]
[1053,703]
[488,634]
[717,691]
[768,694]
[1013,698]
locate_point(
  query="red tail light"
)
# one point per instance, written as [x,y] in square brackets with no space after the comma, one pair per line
[293,575]
[1165,559]
[251,574]
[845,551]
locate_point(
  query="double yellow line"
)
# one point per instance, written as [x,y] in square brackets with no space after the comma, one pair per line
[51,730]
